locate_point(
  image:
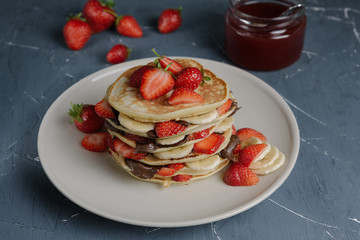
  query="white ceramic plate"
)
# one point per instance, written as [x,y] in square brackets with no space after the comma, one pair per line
[96,183]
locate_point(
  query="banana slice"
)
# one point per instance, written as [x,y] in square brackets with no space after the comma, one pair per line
[225,125]
[271,168]
[134,125]
[205,164]
[267,160]
[168,141]
[263,153]
[175,153]
[250,141]
[203,118]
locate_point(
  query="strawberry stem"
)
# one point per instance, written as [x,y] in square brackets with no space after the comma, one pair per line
[75,112]
[153,49]
[167,67]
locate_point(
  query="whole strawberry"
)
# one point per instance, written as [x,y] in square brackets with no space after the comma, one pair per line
[189,77]
[118,54]
[128,26]
[99,14]
[76,32]
[85,118]
[136,77]
[169,20]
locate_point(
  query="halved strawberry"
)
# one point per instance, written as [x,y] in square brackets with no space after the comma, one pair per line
[96,142]
[155,83]
[136,77]
[182,178]
[127,151]
[224,108]
[165,171]
[251,152]
[200,134]
[164,61]
[189,77]
[209,145]
[176,166]
[233,130]
[239,175]
[104,110]
[246,133]
[168,128]
[184,95]
[237,149]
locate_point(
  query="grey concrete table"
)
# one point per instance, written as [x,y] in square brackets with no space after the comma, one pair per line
[319,200]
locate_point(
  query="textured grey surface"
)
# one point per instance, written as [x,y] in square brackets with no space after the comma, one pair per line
[319,200]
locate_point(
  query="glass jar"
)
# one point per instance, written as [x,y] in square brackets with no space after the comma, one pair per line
[259,37]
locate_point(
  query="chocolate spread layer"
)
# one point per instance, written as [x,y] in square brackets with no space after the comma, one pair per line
[142,170]
[227,152]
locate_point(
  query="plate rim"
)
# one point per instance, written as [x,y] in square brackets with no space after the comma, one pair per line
[295,138]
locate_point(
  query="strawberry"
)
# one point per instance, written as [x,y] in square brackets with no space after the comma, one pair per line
[85,118]
[251,152]
[127,151]
[233,130]
[156,83]
[224,108]
[104,110]
[238,175]
[169,20]
[237,149]
[136,77]
[99,14]
[168,128]
[96,142]
[176,166]
[246,133]
[76,32]
[118,54]
[165,171]
[164,61]
[210,144]
[137,138]
[182,178]
[185,95]
[198,135]
[128,26]
[189,77]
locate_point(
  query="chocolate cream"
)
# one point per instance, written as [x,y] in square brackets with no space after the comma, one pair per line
[141,170]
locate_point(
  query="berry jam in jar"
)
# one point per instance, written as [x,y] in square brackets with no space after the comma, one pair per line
[259,36]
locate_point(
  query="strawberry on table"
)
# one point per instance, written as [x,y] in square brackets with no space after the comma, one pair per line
[128,26]
[126,151]
[76,32]
[246,133]
[224,108]
[136,77]
[169,20]
[168,128]
[185,95]
[249,153]
[118,54]
[189,77]
[85,118]
[155,83]
[96,142]
[104,110]
[164,61]
[210,144]
[239,175]
[100,14]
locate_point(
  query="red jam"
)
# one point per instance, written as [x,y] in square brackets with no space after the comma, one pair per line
[257,36]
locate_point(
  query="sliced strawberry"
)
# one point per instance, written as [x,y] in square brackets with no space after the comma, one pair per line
[104,110]
[85,118]
[199,135]
[184,95]
[136,77]
[246,133]
[224,108]
[96,142]
[155,83]
[137,138]
[168,128]
[189,77]
[182,178]
[165,171]
[249,153]
[209,145]
[176,166]
[239,175]
[127,151]
[237,149]
[233,130]
[164,61]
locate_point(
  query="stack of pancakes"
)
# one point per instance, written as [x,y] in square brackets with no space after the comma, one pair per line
[138,117]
